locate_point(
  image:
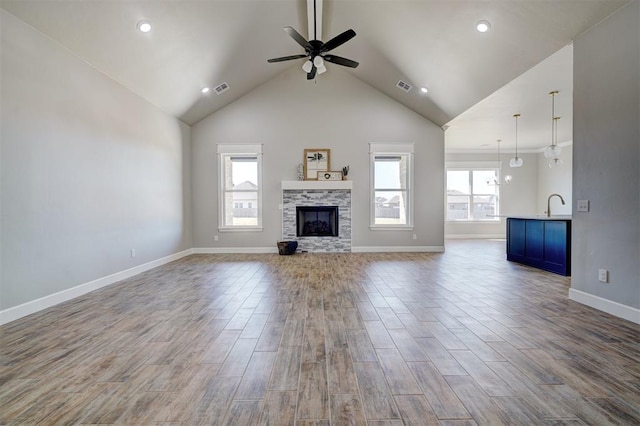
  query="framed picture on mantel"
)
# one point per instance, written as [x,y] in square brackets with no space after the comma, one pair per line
[316,160]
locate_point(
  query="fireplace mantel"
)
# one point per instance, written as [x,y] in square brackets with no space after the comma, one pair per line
[316,184]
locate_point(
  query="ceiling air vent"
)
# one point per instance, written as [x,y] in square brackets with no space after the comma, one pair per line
[221,88]
[404,86]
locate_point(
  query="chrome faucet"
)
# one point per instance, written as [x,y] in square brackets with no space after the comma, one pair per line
[549,203]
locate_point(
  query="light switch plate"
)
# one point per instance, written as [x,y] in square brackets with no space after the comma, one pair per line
[583,206]
[603,275]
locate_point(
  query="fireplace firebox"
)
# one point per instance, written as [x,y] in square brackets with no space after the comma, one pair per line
[317,221]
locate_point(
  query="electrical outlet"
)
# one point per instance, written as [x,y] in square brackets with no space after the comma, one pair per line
[582,206]
[215,238]
[415,236]
[133,252]
[603,275]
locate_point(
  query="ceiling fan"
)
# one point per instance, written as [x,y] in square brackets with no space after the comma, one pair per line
[316,51]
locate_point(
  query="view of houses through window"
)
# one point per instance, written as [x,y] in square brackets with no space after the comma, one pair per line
[472,194]
[241,193]
[391,189]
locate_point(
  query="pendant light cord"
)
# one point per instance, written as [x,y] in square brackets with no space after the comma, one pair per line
[516,116]
[553,117]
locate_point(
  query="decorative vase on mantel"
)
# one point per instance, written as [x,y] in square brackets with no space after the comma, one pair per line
[345,172]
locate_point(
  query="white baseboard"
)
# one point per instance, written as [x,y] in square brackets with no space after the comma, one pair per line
[474,236]
[609,306]
[398,249]
[365,249]
[33,306]
[234,250]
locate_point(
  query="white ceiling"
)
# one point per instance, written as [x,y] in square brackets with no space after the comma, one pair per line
[430,43]
[479,127]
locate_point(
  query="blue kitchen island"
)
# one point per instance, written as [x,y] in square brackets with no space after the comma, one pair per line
[541,242]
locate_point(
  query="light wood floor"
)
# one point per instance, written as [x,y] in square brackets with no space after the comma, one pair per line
[458,338]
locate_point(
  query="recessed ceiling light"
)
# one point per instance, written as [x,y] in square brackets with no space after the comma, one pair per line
[424,89]
[483,26]
[205,90]
[144,26]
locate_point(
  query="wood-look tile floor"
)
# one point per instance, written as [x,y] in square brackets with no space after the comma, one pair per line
[458,338]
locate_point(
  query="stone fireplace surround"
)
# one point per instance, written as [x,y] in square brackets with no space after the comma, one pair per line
[317,193]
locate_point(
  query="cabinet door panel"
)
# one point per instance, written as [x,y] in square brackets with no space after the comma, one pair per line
[534,245]
[515,237]
[555,242]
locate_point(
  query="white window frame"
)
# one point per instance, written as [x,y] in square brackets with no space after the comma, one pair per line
[238,150]
[386,150]
[471,166]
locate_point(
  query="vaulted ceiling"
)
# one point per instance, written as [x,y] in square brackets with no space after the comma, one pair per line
[431,43]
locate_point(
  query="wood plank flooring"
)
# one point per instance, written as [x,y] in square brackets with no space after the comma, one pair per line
[462,337]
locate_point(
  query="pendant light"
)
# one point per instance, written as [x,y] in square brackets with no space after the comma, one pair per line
[495,180]
[507,177]
[553,151]
[555,161]
[516,161]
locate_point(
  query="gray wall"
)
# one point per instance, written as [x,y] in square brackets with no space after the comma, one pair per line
[89,171]
[517,198]
[606,158]
[557,180]
[339,112]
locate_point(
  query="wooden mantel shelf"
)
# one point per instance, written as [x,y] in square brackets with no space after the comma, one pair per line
[316,184]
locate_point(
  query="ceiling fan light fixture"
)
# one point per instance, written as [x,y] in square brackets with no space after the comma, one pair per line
[483,26]
[307,66]
[144,26]
[315,49]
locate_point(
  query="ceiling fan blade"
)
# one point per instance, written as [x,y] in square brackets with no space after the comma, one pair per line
[341,61]
[312,74]
[286,58]
[338,40]
[297,37]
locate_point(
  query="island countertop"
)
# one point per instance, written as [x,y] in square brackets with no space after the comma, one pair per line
[540,217]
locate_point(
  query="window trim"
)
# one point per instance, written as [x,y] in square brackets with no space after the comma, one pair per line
[238,150]
[387,149]
[471,166]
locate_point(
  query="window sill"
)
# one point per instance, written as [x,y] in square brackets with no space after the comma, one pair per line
[486,222]
[391,228]
[241,229]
